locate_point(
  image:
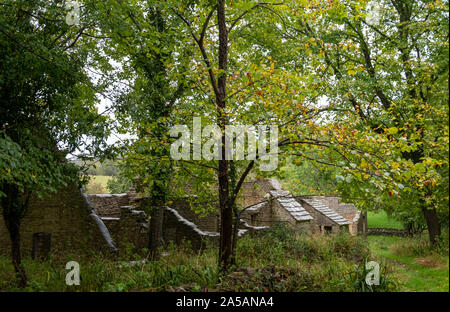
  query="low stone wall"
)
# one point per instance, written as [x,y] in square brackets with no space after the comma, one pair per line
[387,232]
[179,229]
[208,222]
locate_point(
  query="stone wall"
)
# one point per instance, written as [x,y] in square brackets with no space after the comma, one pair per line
[127,224]
[108,205]
[133,228]
[387,232]
[180,230]
[209,221]
[279,214]
[258,215]
[113,226]
[251,193]
[66,216]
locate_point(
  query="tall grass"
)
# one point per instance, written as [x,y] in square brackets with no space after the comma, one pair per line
[276,260]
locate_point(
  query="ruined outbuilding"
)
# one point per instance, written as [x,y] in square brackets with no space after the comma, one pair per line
[73,221]
[267,203]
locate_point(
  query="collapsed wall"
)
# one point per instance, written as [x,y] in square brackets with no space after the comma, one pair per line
[108,205]
[124,218]
[178,229]
[71,222]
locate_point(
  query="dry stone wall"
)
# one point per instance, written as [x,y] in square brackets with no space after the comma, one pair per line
[66,217]
[108,205]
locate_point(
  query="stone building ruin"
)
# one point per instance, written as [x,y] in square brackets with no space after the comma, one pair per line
[115,222]
[267,203]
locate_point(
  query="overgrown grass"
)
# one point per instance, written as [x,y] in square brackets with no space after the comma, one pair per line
[416,265]
[274,261]
[382,220]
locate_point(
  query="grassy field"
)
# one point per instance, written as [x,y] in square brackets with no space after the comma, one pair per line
[101,179]
[413,264]
[97,184]
[382,220]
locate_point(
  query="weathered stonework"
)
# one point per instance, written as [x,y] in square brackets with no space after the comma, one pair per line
[108,205]
[133,228]
[267,203]
[178,229]
[113,222]
[67,217]
[320,223]
[127,224]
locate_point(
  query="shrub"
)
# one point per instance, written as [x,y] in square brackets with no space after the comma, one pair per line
[351,247]
[420,246]
[358,279]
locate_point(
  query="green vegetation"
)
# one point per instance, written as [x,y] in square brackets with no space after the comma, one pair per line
[274,261]
[380,219]
[358,92]
[103,180]
[105,168]
[414,264]
[97,185]
[119,184]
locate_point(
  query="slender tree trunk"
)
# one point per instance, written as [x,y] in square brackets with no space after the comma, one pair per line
[226,207]
[235,235]
[433,225]
[405,13]
[13,211]
[14,234]
[430,214]
[155,232]
[226,216]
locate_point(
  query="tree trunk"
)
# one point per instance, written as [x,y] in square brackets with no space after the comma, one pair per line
[226,216]
[13,211]
[14,234]
[235,234]
[157,201]
[226,207]
[430,214]
[155,232]
[433,225]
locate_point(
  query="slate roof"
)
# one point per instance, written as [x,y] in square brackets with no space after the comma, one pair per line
[257,207]
[323,208]
[285,199]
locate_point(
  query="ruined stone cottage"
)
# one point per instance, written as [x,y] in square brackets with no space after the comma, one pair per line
[74,221]
[267,203]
